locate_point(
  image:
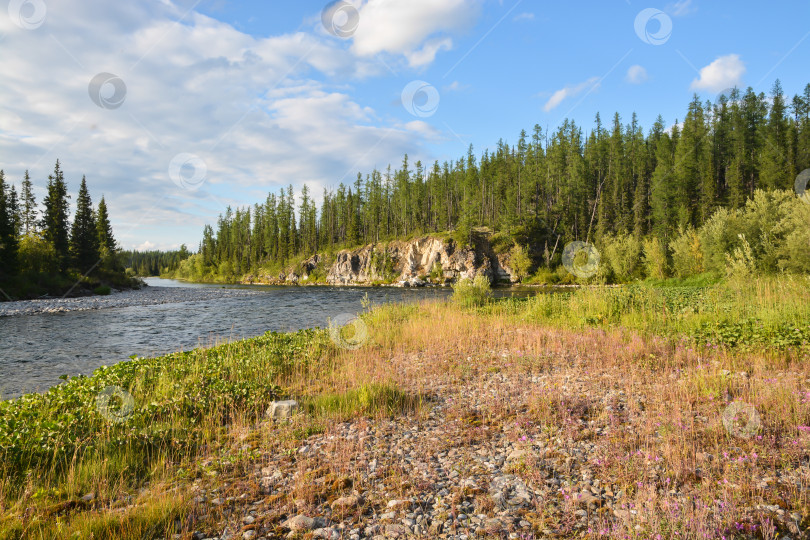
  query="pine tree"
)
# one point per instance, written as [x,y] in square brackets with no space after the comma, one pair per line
[28,206]
[84,236]
[8,238]
[55,217]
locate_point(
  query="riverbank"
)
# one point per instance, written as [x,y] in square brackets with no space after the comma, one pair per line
[515,418]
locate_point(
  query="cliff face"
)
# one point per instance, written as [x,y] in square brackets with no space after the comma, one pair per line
[410,263]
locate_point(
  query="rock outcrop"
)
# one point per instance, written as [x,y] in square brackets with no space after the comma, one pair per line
[413,263]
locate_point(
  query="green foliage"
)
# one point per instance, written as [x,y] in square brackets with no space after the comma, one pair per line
[741,264]
[687,256]
[382,264]
[622,254]
[520,262]
[655,258]
[102,290]
[437,272]
[470,293]
[368,399]
[766,313]
[84,241]
[179,401]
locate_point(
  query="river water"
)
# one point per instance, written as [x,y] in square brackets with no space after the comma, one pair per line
[36,349]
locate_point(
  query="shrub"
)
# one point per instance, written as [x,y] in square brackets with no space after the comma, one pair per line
[472,292]
[655,258]
[437,272]
[519,259]
[687,255]
[37,255]
[623,254]
[741,264]
[102,290]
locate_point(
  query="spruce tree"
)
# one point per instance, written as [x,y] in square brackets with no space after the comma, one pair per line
[84,240]
[28,206]
[14,211]
[106,242]
[8,238]
[774,169]
[55,217]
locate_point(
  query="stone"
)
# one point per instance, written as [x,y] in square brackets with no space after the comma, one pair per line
[299,523]
[349,502]
[282,409]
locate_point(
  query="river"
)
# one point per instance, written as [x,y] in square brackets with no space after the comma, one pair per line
[36,349]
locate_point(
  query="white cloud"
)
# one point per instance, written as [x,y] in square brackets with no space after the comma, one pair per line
[146,246]
[681,8]
[424,129]
[724,72]
[455,86]
[259,112]
[636,74]
[524,17]
[415,29]
[569,91]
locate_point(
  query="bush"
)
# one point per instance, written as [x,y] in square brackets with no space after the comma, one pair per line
[103,290]
[655,258]
[519,259]
[472,292]
[37,255]
[623,254]
[687,255]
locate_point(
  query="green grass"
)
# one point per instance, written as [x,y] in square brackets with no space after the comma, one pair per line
[471,293]
[124,424]
[368,399]
[766,312]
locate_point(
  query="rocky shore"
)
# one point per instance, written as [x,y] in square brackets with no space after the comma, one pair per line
[474,463]
[146,296]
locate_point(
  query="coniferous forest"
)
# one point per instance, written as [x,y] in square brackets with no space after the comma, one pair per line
[710,193]
[43,252]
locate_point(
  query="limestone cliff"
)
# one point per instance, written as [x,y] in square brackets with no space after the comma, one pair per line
[417,262]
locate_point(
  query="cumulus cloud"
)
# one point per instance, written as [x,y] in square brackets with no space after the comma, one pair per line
[569,91]
[724,72]
[259,113]
[416,29]
[636,74]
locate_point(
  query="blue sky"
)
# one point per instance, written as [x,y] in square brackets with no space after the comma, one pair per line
[174,110]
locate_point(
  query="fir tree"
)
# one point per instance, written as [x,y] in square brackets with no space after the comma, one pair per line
[8,237]
[84,237]
[28,206]
[106,240]
[55,217]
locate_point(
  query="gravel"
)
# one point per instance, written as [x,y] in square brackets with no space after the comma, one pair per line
[147,296]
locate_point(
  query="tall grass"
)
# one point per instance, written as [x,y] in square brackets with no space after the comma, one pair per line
[772,312]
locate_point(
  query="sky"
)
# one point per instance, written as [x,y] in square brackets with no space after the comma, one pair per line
[174,110]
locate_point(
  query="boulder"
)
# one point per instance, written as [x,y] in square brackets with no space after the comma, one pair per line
[282,409]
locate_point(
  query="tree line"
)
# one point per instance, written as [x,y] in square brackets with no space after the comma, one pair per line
[153,262]
[42,239]
[546,190]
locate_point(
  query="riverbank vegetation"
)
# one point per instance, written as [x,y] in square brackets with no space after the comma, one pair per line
[43,253]
[669,202]
[627,386]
